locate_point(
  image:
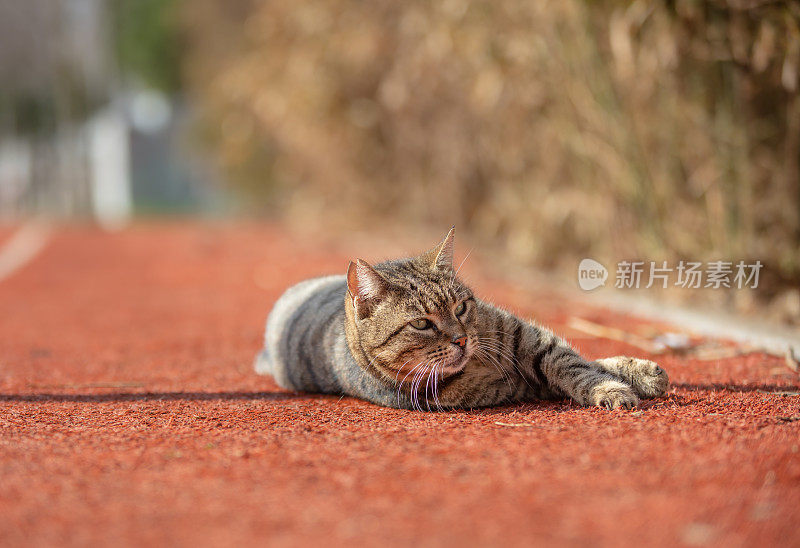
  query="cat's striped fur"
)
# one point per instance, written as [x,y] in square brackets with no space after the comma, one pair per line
[397,334]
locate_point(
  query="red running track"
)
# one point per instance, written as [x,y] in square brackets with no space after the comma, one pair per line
[129,415]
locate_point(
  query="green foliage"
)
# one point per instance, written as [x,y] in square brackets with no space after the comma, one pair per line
[147,41]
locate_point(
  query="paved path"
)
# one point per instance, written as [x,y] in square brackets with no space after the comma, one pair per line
[129,415]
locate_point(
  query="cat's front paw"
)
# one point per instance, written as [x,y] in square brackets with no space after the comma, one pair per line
[612,395]
[647,378]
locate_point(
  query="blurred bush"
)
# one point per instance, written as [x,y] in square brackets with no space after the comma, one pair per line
[660,130]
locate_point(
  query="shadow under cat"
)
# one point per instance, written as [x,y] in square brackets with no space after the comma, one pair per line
[285,396]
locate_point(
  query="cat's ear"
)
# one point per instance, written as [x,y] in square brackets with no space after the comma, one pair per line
[441,256]
[366,286]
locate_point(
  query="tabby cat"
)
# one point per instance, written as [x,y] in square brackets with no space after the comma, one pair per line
[409,334]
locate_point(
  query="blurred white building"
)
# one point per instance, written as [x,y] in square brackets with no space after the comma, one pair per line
[64,146]
[77,139]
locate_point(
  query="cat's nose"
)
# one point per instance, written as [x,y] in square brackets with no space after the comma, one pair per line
[460,340]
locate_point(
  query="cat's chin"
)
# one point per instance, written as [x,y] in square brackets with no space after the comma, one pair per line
[451,370]
[455,366]
[443,370]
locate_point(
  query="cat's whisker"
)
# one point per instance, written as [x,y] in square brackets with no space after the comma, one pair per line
[495,361]
[427,377]
[492,344]
[500,349]
[419,385]
[415,385]
[432,379]
[376,356]
[436,378]
[436,385]
[411,389]
[414,393]
[514,365]
[503,353]
[492,361]
[435,381]
[400,386]
[427,384]
[399,370]
[502,374]
[497,347]
[500,331]
[407,374]
[485,353]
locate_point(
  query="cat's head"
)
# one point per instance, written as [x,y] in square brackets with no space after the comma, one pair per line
[411,316]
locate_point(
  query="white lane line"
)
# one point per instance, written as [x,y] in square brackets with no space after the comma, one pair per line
[22,247]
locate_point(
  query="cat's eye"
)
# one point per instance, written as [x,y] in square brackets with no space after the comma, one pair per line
[421,324]
[461,308]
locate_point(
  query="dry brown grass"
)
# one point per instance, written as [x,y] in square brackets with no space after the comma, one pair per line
[558,129]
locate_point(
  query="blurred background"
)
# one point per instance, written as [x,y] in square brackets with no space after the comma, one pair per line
[546,131]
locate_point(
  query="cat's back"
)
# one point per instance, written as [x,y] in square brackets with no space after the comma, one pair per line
[300,328]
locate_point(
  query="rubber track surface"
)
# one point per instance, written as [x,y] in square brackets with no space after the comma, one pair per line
[129,415]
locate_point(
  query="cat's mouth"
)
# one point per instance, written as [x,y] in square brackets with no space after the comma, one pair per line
[443,370]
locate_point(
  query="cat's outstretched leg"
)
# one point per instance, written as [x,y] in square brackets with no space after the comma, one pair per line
[646,378]
[550,367]
[567,373]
